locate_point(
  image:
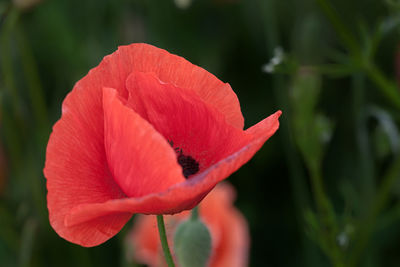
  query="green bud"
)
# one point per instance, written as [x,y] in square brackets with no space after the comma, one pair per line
[192,243]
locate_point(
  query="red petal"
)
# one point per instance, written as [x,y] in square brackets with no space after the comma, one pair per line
[76,167]
[178,71]
[192,125]
[140,159]
[114,69]
[184,195]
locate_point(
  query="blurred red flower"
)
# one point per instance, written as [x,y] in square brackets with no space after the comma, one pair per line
[131,132]
[228,228]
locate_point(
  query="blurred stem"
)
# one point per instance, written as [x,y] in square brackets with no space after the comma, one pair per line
[335,70]
[164,241]
[8,232]
[27,242]
[6,61]
[11,137]
[36,184]
[195,213]
[365,161]
[12,119]
[296,173]
[298,180]
[32,80]
[326,215]
[340,27]
[381,199]
[292,157]
[389,89]
[388,219]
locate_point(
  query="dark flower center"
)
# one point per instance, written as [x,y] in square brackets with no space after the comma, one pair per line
[189,165]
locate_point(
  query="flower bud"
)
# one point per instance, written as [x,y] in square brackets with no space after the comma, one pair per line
[192,244]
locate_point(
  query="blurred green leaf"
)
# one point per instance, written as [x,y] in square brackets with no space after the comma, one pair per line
[312,131]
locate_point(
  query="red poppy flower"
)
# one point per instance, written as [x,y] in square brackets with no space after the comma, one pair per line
[144,132]
[228,228]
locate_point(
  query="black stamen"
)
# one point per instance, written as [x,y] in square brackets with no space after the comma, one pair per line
[189,165]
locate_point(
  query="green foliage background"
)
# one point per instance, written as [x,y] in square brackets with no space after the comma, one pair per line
[324,191]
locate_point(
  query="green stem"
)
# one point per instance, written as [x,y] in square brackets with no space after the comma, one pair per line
[10,102]
[6,61]
[33,81]
[195,213]
[390,218]
[298,180]
[381,199]
[327,216]
[391,92]
[164,241]
[365,164]
[340,27]
[389,89]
